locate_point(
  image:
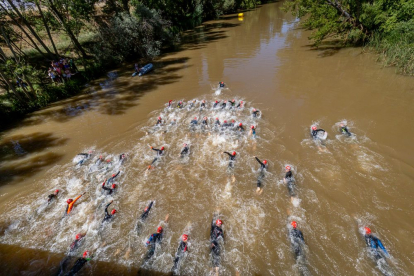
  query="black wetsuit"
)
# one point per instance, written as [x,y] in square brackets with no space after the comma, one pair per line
[159,154]
[203,105]
[240,105]
[241,128]
[232,159]
[296,240]
[109,191]
[374,243]
[232,104]
[184,151]
[215,104]
[290,183]
[74,245]
[194,122]
[180,105]
[223,105]
[344,130]
[221,85]
[182,248]
[263,168]
[145,214]
[159,122]
[215,233]
[315,132]
[152,242]
[225,125]
[111,179]
[255,113]
[217,123]
[108,216]
[51,197]
[204,122]
[77,266]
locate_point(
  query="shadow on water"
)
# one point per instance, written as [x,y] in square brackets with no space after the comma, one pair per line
[27,261]
[16,154]
[327,48]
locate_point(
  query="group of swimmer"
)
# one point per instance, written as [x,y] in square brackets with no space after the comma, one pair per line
[216,230]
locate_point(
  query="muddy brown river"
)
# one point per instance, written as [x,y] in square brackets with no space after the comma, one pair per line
[265,59]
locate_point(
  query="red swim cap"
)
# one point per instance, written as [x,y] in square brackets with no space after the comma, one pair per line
[78,236]
[109,160]
[113,175]
[254,109]
[225,121]
[162,148]
[367,230]
[234,153]
[240,124]
[100,156]
[69,200]
[159,118]
[252,127]
[294,224]
[217,119]
[181,102]
[216,101]
[86,254]
[159,229]
[56,192]
[184,237]
[219,222]
[313,127]
[113,186]
[287,168]
[195,118]
[113,212]
[264,162]
[241,102]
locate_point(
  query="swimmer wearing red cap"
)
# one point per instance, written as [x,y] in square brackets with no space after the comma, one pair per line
[240,127]
[159,121]
[185,150]
[296,239]
[111,179]
[52,196]
[182,248]
[160,152]
[374,243]
[79,263]
[315,131]
[232,158]
[108,190]
[107,215]
[70,203]
[255,113]
[153,240]
[75,244]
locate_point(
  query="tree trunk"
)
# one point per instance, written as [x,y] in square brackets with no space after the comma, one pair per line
[23,30]
[61,20]
[29,27]
[6,38]
[46,26]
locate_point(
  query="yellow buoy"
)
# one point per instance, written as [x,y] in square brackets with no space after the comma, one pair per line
[241,14]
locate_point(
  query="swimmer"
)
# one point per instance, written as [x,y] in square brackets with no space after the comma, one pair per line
[160,152]
[290,182]
[221,84]
[111,179]
[232,158]
[194,121]
[180,104]
[76,243]
[216,232]
[225,124]
[185,150]
[204,122]
[153,240]
[215,104]
[217,122]
[224,105]
[144,216]
[232,103]
[316,131]
[159,121]
[51,197]
[79,264]
[109,191]
[263,168]
[170,103]
[203,104]
[99,160]
[122,158]
[255,113]
[240,127]
[374,244]
[181,250]
[232,123]
[296,240]
[344,129]
[70,203]
[191,104]
[253,131]
[86,156]
[107,215]
[240,105]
